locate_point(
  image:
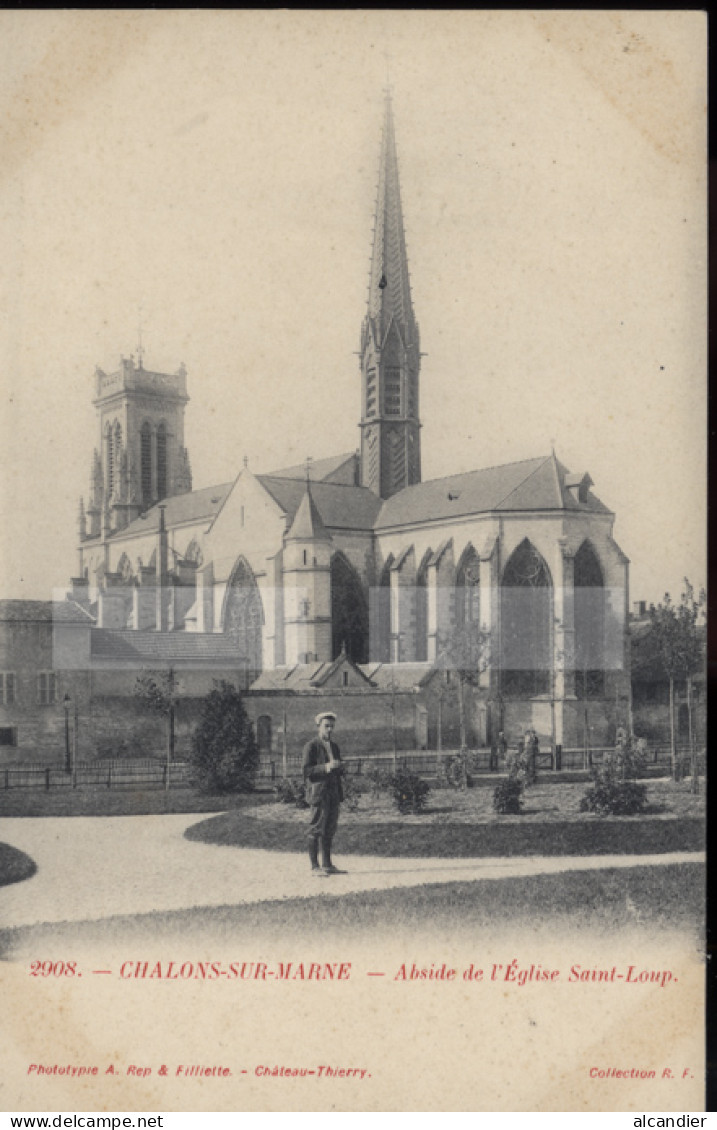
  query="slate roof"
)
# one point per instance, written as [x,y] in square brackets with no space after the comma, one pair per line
[307,677]
[340,506]
[532,484]
[320,468]
[307,524]
[398,676]
[192,507]
[45,611]
[160,649]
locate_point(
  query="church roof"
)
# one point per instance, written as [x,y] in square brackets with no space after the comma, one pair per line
[532,484]
[340,506]
[321,469]
[195,506]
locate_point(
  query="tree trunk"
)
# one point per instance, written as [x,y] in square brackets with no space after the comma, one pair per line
[693,743]
[170,744]
[461,713]
[673,742]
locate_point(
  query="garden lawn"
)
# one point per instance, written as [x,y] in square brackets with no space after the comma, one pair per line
[463,825]
[652,899]
[101,801]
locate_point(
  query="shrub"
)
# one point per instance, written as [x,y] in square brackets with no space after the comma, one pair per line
[225,755]
[614,792]
[291,790]
[614,798]
[353,791]
[521,765]
[410,792]
[378,780]
[456,770]
[508,797]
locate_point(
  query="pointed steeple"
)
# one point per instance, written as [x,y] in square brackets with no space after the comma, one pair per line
[308,525]
[390,350]
[389,295]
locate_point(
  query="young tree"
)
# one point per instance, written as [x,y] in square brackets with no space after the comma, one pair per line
[159,690]
[679,638]
[465,650]
[225,754]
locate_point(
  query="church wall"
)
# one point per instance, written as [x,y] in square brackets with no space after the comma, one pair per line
[249,524]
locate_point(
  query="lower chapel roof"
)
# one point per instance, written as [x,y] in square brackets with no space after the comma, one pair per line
[529,485]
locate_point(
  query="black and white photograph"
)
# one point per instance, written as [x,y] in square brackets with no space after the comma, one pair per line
[352,588]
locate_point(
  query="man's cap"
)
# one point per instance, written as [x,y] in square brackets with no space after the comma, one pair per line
[326,714]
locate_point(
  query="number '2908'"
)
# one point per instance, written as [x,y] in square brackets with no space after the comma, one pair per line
[53,969]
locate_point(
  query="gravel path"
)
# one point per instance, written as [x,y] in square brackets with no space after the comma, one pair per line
[96,867]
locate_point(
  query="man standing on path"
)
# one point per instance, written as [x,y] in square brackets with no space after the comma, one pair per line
[324,792]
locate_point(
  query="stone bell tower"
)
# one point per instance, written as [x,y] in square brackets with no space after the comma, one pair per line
[141,458]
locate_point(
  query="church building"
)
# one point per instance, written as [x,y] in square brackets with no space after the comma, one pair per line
[351,572]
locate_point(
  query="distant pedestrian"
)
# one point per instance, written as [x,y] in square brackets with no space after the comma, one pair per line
[530,755]
[324,792]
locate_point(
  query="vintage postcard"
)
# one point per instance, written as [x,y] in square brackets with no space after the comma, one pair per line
[352,736]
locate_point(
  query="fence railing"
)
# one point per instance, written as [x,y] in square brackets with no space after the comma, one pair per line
[107,774]
[149,772]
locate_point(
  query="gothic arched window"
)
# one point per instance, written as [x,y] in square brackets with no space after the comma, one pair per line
[381,616]
[145,444]
[526,624]
[194,554]
[422,608]
[244,615]
[162,461]
[349,614]
[589,623]
[124,568]
[467,588]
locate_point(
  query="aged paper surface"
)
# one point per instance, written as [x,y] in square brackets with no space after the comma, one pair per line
[209,176]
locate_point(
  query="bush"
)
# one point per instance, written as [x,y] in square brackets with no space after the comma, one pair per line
[378,780]
[291,791]
[614,792]
[614,798]
[410,792]
[521,765]
[353,792]
[456,770]
[225,755]
[508,797]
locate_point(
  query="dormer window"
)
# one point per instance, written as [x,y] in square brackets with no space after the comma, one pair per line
[578,486]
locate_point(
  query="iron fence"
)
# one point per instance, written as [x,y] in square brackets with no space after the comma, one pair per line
[154,772]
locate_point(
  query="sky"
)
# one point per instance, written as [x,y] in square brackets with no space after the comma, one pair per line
[211,175]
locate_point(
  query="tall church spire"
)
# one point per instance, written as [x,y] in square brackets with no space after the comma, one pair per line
[390,351]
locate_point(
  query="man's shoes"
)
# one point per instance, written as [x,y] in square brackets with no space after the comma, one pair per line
[331,870]
[319,872]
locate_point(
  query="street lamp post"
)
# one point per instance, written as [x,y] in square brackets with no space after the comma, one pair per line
[74,745]
[68,754]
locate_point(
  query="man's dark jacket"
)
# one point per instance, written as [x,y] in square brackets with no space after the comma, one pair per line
[317,780]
